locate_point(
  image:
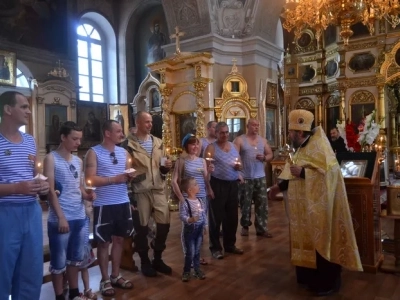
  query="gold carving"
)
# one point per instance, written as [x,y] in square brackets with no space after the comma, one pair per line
[271,88]
[199,86]
[72,102]
[305,103]
[333,100]
[361,97]
[40,100]
[56,100]
[360,46]
[165,92]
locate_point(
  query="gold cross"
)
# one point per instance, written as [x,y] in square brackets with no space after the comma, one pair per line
[176,36]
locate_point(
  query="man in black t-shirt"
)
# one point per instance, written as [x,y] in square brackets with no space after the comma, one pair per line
[337,142]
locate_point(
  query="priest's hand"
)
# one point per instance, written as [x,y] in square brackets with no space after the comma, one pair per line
[295,170]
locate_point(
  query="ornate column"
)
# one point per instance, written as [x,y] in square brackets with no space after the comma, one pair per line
[165,92]
[381,106]
[319,97]
[342,104]
[199,86]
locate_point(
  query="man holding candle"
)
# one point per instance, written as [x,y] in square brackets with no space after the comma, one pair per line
[210,138]
[21,234]
[321,229]
[106,168]
[224,183]
[254,151]
[148,152]
[67,216]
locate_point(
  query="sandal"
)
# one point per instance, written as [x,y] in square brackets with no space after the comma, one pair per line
[107,291]
[90,295]
[203,262]
[126,284]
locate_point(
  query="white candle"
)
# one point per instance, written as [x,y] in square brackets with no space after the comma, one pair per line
[89,183]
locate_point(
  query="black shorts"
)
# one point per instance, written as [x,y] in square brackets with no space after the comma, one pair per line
[112,220]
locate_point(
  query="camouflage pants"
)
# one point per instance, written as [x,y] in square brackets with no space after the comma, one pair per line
[254,189]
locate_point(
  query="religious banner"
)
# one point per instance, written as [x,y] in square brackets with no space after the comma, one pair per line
[8,65]
[120,113]
[90,117]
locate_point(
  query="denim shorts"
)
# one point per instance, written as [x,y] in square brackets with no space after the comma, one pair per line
[66,248]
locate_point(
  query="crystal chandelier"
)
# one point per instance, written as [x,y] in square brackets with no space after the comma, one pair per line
[318,14]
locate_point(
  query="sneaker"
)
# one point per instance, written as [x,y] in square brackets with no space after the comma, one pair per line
[199,274]
[161,267]
[244,231]
[185,276]
[234,250]
[148,270]
[217,255]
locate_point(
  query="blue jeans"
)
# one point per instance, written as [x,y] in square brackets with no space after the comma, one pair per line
[21,250]
[192,239]
[66,248]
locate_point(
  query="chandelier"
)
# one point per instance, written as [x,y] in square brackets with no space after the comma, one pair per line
[318,14]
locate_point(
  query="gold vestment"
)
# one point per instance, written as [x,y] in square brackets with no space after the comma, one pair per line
[318,209]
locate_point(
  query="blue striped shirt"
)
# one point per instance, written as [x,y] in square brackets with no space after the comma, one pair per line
[70,199]
[252,167]
[224,163]
[113,193]
[195,168]
[17,163]
[198,207]
[147,145]
[204,144]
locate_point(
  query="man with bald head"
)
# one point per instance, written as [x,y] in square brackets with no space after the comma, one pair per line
[254,152]
[146,151]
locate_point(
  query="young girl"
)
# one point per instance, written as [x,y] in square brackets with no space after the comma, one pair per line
[193,214]
[89,257]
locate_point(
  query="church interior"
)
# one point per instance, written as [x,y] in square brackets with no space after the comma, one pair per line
[190,62]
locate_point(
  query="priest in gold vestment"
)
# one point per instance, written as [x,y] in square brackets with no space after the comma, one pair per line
[322,237]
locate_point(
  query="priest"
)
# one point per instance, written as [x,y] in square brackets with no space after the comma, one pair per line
[322,237]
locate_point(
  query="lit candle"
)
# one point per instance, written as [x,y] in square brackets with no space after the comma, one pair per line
[237,162]
[39,165]
[381,139]
[209,158]
[89,183]
[129,161]
[167,150]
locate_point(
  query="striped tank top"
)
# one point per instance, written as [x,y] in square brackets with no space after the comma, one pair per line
[224,163]
[114,193]
[194,168]
[17,163]
[69,175]
[147,145]
[252,167]
[204,144]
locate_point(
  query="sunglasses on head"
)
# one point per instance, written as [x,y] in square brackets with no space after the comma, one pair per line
[115,160]
[73,170]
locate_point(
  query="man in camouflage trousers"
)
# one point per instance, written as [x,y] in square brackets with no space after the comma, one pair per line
[254,151]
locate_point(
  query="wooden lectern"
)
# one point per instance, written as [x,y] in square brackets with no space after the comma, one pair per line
[364,200]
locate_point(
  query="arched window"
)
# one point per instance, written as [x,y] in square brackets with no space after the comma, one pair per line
[21,81]
[90,63]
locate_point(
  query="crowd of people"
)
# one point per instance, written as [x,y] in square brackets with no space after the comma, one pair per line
[121,186]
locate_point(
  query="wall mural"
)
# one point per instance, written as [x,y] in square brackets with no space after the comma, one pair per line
[234,18]
[149,38]
[41,23]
